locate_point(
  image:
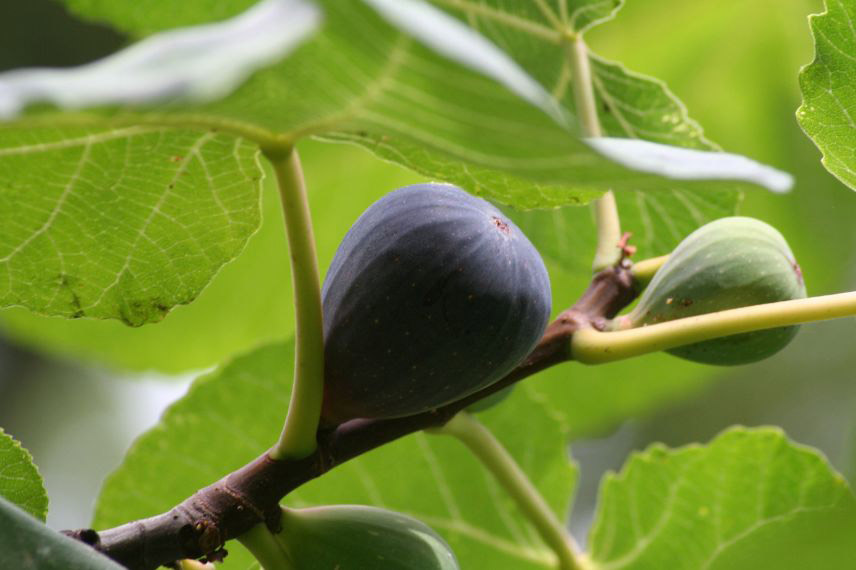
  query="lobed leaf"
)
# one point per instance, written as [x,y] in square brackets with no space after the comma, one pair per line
[20,481]
[828,84]
[362,78]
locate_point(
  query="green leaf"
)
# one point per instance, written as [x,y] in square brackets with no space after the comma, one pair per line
[459,126]
[249,301]
[234,414]
[748,491]
[629,105]
[828,111]
[121,223]
[20,481]
[361,78]
[27,544]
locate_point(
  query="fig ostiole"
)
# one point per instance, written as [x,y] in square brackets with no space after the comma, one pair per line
[355,537]
[725,264]
[432,295]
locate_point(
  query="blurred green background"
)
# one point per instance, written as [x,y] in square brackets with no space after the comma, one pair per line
[76,392]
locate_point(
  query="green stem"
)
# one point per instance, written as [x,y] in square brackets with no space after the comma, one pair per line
[607,253]
[643,271]
[266,548]
[301,424]
[482,443]
[584,100]
[594,347]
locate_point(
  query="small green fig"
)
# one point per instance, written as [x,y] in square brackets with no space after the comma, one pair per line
[354,537]
[725,264]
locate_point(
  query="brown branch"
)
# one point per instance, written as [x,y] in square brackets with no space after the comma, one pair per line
[202,523]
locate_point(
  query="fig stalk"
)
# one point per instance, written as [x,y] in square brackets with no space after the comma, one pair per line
[266,548]
[644,270]
[591,346]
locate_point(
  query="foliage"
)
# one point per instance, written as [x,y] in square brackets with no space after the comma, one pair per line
[128,211]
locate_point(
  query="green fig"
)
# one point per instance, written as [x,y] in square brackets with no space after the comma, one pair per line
[725,264]
[354,537]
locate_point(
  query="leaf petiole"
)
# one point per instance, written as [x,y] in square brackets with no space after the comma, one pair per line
[591,346]
[301,424]
[496,459]
[605,209]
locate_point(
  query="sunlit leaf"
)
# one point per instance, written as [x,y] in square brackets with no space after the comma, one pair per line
[121,223]
[361,77]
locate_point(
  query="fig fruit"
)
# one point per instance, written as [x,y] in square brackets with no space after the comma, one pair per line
[725,264]
[353,537]
[432,295]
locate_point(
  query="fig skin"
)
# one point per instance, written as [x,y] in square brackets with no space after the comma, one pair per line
[355,537]
[432,295]
[725,264]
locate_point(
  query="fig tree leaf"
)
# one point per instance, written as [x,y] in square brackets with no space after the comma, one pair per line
[27,544]
[748,491]
[828,111]
[121,223]
[459,126]
[20,481]
[365,80]
[249,301]
[232,415]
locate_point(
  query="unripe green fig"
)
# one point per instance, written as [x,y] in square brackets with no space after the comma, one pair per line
[354,537]
[725,264]
[432,295]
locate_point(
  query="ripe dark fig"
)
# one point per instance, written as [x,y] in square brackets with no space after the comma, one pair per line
[432,295]
[353,537]
[728,263]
